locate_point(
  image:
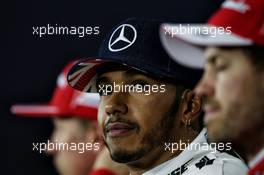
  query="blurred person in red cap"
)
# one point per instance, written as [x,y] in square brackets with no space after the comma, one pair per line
[233,82]
[74,116]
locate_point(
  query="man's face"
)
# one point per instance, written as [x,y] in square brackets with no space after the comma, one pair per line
[233,92]
[133,123]
[72,131]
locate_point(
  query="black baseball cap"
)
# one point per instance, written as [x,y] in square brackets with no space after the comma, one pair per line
[134,43]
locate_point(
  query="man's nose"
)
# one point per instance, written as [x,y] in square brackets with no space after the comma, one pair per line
[206,85]
[116,104]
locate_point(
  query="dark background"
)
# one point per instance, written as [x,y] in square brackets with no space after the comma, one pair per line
[31,64]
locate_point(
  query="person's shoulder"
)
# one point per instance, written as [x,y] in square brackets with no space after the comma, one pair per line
[218,164]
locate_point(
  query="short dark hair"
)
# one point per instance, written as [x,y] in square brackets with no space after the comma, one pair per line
[255,54]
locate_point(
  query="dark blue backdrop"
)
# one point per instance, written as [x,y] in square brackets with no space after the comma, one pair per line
[31,64]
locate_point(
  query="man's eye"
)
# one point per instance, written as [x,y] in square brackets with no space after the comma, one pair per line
[221,67]
[103,93]
[141,85]
[104,89]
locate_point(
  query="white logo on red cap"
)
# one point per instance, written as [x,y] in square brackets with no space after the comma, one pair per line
[61,80]
[87,99]
[237,5]
[127,42]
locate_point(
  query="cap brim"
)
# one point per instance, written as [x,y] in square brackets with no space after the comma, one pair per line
[39,111]
[82,76]
[36,110]
[186,46]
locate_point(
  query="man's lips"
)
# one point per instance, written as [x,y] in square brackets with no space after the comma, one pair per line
[118,129]
[210,112]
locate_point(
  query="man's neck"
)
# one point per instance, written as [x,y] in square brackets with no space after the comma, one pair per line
[251,145]
[151,160]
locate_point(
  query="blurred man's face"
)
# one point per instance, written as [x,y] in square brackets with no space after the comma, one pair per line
[233,92]
[135,124]
[73,130]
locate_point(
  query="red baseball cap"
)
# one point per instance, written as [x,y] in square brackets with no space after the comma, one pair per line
[65,102]
[236,23]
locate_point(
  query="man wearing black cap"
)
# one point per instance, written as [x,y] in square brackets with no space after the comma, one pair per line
[232,84]
[146,108]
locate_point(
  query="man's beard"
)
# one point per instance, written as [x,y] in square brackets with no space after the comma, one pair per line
[156,136]
[241,119]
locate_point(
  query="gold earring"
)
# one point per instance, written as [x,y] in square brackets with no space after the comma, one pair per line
[189,122]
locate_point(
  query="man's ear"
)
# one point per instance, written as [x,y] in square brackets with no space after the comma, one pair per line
[191,107]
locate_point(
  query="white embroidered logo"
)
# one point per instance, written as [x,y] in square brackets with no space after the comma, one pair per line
[237,5]
[127,42]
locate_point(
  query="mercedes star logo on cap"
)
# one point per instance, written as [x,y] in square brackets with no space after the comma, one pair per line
[123,37]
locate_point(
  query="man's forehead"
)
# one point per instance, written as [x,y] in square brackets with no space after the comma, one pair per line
[215,54]
[212,54]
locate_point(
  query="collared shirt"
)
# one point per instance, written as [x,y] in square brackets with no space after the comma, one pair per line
[257,158]
[257,164]
[203,160]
